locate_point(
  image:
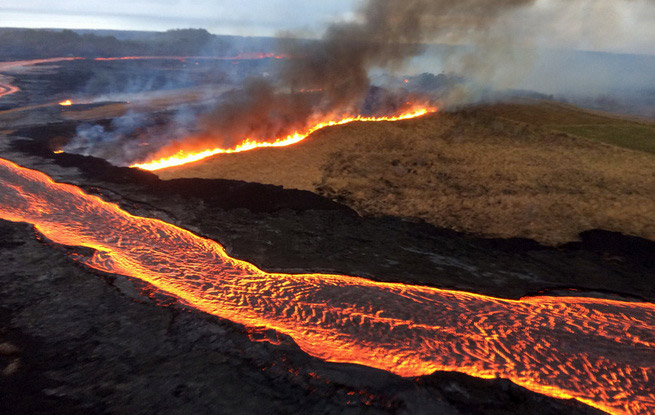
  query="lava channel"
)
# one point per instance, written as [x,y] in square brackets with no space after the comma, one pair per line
[600,352]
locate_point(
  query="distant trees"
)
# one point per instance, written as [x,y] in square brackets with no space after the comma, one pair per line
[38,43]
[183,41]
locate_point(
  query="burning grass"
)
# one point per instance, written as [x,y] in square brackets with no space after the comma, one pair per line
[183,157]
[476,171]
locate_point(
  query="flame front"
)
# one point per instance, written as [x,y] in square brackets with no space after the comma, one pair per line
[601,352]
[66,103]
[184,157]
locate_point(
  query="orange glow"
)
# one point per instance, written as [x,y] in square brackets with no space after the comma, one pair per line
[600,352]
[6,88]
[66,103]
[184,157]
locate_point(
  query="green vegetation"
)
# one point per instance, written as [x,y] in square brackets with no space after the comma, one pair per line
[630,134]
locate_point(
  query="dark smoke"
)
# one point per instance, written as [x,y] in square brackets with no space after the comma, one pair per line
[276,113]
[386,34]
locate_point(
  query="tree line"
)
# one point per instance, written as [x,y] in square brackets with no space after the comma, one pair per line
[43,43]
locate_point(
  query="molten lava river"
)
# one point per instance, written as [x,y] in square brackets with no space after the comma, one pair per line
[600,352]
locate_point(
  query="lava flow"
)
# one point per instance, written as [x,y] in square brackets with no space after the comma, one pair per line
[184,157]
[600,352]
[6,88]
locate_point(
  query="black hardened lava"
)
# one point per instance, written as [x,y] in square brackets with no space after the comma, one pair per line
[222,194]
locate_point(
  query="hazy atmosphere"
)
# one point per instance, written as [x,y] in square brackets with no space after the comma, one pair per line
[610,25]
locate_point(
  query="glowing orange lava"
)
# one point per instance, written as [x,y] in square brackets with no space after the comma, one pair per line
[600,352]
[184,157]
[66,103]
[6,88]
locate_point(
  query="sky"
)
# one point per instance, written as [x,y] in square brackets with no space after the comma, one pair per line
[584,24]
[236,17]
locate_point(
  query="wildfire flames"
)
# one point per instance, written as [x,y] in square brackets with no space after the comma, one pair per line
[184,157]
[66,103]
[601,352]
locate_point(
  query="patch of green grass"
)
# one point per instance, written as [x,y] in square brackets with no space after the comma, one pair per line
[621,132]
[627,135]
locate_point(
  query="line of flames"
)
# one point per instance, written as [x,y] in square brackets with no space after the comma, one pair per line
[184,157]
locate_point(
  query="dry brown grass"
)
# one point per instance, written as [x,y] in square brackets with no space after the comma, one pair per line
[473,171]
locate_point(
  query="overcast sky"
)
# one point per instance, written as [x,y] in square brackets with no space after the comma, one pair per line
[251,17]
[583,27]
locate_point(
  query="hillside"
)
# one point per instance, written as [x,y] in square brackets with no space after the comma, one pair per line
[540,170]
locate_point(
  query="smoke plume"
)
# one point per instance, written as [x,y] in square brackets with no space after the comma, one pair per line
[385,34]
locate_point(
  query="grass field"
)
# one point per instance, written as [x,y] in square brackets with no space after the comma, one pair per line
[502,170]
[631,134]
